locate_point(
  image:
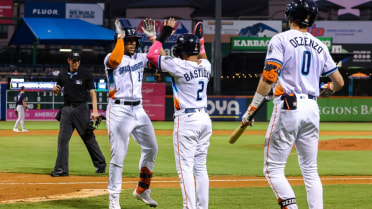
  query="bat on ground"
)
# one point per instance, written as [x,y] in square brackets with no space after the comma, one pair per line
[240,129]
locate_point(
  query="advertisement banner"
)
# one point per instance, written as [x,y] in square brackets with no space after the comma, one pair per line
[344,32]
[39,115]
[6,10]
[153,100]
[245,28]
[361,55]
[92,13]
[241,28]
[261,43]
[345,109]
[45,9]
[43,105]
[226,108]
[341,109]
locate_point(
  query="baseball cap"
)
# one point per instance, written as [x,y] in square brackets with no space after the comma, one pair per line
[74,56]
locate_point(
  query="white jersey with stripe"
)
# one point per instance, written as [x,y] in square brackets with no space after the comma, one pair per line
[303,58]
[189,81]
[125,81]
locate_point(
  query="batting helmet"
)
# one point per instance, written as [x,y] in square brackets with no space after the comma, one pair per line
[302,11]
[129,34]
[187,44]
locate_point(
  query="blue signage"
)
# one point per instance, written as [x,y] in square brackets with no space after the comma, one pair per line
[226,108]
[45,9]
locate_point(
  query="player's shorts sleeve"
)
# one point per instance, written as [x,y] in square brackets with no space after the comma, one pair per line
[275,49]
[329,66]
[168,64]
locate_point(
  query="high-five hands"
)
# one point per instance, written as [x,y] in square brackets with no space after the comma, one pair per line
[149,28]
[119,30]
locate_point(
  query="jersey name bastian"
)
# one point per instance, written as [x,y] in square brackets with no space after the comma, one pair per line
[128,68]
[301,41]
[200,72]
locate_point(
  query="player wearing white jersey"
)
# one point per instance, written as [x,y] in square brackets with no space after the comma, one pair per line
[125,114]
[190,73]
[294,62]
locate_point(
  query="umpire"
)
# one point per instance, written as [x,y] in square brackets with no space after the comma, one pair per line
[75,114]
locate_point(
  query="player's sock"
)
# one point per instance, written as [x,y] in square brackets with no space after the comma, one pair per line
[144,181]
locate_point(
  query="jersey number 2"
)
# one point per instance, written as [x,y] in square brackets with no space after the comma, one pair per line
[198,97]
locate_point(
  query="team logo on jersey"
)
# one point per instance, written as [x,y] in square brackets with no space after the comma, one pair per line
[270,50]
[168,58]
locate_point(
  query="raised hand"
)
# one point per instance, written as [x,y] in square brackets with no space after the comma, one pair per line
[119,30]
[149,28]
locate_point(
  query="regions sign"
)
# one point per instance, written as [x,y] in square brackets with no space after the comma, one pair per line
[342,109]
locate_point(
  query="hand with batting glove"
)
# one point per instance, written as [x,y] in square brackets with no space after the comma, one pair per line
[119,30]
[246,119]
[326,90]
[149,28]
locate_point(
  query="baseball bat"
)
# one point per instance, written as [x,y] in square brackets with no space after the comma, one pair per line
[240,129]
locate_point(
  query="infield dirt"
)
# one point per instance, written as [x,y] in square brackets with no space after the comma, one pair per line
[36,187]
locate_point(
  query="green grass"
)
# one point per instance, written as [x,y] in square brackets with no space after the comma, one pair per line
[36,154]
[335,197]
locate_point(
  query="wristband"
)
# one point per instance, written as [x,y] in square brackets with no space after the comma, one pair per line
[257,99]
[202,48]
[165,33]
[152,38]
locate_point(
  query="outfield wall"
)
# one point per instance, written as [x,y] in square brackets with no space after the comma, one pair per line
[43,105]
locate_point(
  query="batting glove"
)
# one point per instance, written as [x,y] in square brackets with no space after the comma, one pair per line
[149,29]
[119,30]
[246,119]
[326,90]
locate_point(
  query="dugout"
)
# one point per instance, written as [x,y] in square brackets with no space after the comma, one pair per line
[36,31]
[241,73]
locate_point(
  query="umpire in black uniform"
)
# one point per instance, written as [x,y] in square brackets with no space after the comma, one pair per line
[75,114]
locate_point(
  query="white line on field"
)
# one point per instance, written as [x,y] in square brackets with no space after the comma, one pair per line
[176,181]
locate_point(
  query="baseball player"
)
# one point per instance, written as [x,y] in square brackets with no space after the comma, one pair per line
[125,115]
[190,73]
[294,62]
[20,107]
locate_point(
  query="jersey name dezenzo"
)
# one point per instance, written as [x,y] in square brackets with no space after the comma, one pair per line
[301,41]
[128,68]
[200,72]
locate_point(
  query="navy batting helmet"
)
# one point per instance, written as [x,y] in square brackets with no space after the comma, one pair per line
[130,33]
[187,44]
[302,11]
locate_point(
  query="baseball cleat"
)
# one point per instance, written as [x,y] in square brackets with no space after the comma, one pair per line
[114,201]
[58,174]
[16,130]
[24,130]
[101,169]
[145,197]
